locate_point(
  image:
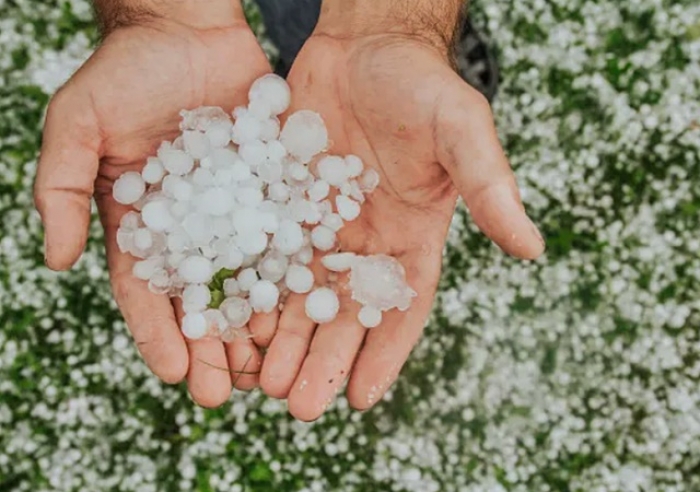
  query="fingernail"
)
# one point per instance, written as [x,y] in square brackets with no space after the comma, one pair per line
[538,233]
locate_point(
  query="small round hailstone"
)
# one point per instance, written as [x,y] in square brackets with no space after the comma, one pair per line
[354,165]
[247,278]
[369,181]
[252,243]
[274,90]
[220,158]
[276,151]
[319,191]
[153,172]
[260,109]
[196,270]
[219,133]
[273,266]
[278,192]
[289,237]
[231,287]
[156,215]
[369,317]
[304,135]
[237,311]
[323,238]
[298,171]
[250,197]
[216,320]
[348,209]
[216,201]
[195,298]
[246,129]
[130,221]
[196,144]
[305,255]
[125,240]
[143,238]
[160,282]
[299,279]
[240,171]
[333,221]
[322,305]
[145,269]
[129,188]
[198,228]
[175,161]
[270,130]
[181,189]
[253,153]
[194,326]
[333,170]
[313,214]
[339,262]
[264,296]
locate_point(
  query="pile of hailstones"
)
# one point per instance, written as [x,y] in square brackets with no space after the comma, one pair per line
[229,215]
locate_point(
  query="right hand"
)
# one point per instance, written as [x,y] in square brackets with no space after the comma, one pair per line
[106,120]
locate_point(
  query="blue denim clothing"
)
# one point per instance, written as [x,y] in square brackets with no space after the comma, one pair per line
[289,23]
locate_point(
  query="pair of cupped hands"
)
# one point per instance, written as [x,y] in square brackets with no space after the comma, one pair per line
[388,96]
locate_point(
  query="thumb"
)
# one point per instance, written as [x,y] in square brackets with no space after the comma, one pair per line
[469,149]
[65,176]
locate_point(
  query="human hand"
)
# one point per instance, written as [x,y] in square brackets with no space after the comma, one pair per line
[107,119]
[390,96]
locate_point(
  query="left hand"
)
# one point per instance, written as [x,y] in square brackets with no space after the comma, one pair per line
[393,100]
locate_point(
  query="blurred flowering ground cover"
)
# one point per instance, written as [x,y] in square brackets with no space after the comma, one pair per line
[576,373]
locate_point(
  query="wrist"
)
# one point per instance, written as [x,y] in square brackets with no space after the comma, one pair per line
[198,14]
[434,21]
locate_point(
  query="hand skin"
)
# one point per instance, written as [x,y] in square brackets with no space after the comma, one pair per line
[110,116]
[390,96]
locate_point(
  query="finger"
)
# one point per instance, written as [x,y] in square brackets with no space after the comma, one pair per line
[66,175]
[328,363]
[150,317]
[388,346]
[209,376]
[263,326]
[288,348]
[245,361]
[469,149]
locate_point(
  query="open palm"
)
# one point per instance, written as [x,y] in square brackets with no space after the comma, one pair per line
[106,120]
[395,102]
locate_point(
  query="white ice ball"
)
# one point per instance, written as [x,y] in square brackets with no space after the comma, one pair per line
[237,311]
[353,165]
[264,296]
[322,305]
[196,144]
[196,270]
[304,135]
[274,90]
[289,237]
[299,279]
[369,317]
[348,209]
[176,161]
[153,172]
[195,298]
[252,243]
[129,188]
[194,326]
[319,191]
[339,262]
[156,215]
[247,278]
[333,170]
[246,129]
[323,238]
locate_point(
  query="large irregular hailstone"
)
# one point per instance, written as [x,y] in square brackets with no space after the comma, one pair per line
[229,216]
[380,281]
